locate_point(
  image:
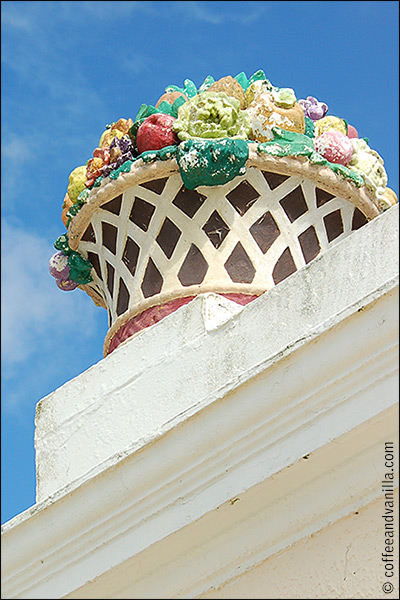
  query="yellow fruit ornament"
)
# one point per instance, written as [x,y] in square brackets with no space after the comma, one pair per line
[329,122]
[76,183]
[278,108]
[118,129]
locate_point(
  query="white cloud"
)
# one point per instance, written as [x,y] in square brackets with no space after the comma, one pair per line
[15,146]
[198,12]
[34,310]
[41,56]
[218,13]
[16,19]
[28,16]
[103,10]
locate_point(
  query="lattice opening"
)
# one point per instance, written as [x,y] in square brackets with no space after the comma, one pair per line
[189,201]
[294,204]
[130,255]
[216,229]
[358,219]
[89,235]
[114,205]
[322,197]
[168,237]
[94,259]
[109,236]
[194,267]
[156,185]
[141,213]
[309,244]
[242,197]
[239,266]
[333,225]
[110,278]
[123,298]
[274,179]
[265,231]
[284,267]
[152,280]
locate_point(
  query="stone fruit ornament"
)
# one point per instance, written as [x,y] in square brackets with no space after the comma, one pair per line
[94,167]
[334,146]
[390,195]
[313,108]
[210,131]
[65,208]
[156,132]
[212,115]
[352,132]
[370,165]
[256,88]
[330,122]
[121,150]
[276,108]
[76,183]
[170,97]
[231,87]
[60,270]
[117,129]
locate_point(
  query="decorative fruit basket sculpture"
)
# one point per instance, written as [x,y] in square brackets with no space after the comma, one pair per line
[229,188]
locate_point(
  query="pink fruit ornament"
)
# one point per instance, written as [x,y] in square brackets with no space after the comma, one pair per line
[334,146]
[155,133]
[352,132]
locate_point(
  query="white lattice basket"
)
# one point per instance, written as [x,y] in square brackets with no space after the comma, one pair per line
[152,242]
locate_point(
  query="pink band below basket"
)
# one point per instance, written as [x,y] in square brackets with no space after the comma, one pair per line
[156,313]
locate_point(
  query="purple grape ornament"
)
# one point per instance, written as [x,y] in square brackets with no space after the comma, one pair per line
[313,108]
[67,285]
[58,266]
[121,150]
[60,269]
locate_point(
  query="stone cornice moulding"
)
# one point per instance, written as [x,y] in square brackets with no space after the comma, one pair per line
[178,367]
[285,448]
[203,516]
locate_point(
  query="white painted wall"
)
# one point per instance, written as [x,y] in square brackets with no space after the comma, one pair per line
[342,560]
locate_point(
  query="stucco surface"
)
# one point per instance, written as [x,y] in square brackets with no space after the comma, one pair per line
[342,560]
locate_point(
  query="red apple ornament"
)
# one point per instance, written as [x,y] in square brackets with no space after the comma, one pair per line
[155,133]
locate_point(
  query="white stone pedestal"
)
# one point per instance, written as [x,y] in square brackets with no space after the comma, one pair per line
[218,437]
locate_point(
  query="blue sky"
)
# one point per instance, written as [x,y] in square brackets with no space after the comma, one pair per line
[70,68]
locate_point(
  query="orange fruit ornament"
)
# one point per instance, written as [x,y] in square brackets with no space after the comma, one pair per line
[66,206]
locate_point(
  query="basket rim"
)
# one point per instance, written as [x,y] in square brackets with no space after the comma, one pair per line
[142,172]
